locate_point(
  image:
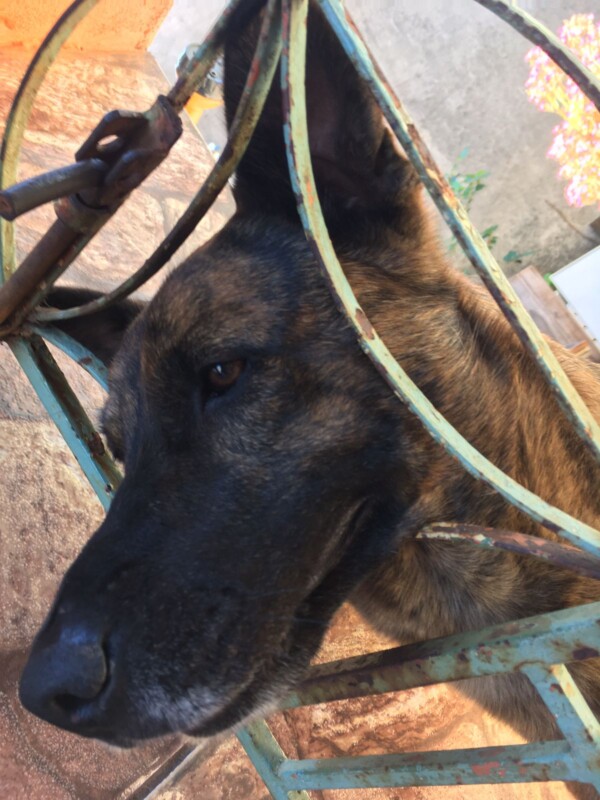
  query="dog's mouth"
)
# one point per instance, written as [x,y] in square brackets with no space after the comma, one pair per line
[124,711]
[155,714]
[276,675]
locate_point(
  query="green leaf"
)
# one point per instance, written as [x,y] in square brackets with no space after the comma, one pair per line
[489,231]
[514,256]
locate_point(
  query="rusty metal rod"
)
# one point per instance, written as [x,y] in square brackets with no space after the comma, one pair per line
[48,251]
[59,246]
[198,65]
[84,214]
[258,83]
[34,192]
[562,555]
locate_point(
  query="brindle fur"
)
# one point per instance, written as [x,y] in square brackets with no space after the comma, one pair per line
[245,520]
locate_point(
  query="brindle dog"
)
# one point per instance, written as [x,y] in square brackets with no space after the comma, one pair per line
[270,473]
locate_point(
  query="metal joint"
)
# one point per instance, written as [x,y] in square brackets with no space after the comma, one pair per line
[121,152]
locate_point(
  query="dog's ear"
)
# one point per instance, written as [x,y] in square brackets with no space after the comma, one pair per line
[357,168]
[101,332]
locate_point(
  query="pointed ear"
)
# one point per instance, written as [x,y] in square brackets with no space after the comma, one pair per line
[357,167]
[101,332]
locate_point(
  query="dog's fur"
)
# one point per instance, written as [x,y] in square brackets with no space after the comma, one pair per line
[246,517]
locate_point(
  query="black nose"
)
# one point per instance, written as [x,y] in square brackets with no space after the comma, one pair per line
[66,673]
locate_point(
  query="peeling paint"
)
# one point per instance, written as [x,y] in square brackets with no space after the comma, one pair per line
[365,324]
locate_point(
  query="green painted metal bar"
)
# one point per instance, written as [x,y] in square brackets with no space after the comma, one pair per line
[573,716]
[561,676]
[68,415]
[253,98]
[511,764]
[19,115]
[296,136]
[268,758]
[564,636]
[80,354]
[468,236]
[543,37]
[548,761]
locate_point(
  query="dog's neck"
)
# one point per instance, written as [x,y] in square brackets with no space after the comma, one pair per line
[456,345]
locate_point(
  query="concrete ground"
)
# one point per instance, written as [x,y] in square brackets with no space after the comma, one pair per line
[47,511]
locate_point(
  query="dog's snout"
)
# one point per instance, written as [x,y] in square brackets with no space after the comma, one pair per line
[66,672]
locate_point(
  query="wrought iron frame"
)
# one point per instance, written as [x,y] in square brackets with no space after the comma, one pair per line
[538,647]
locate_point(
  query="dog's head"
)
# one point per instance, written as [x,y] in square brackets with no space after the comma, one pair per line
[260,447]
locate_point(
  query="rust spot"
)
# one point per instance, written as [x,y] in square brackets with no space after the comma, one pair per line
[364,323]
[85,361]
[96,445]
[555,687]
[585,652]
[484,769]
[484,653]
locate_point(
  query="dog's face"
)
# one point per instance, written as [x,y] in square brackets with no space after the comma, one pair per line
[258,444]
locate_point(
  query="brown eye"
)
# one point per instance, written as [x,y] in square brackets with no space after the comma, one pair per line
[221,376]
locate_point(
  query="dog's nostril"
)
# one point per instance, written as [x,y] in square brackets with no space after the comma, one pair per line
[88,685]
[67,703]
[63,677]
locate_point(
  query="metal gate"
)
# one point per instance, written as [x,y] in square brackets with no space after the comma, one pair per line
[538,647]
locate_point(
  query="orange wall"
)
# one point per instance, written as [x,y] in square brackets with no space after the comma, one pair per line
[113,25]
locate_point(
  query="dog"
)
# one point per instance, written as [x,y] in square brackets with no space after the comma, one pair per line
[271,474]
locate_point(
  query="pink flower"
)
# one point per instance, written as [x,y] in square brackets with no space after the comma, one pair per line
[576,140]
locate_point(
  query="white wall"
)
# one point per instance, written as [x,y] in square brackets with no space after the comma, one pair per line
[460,72]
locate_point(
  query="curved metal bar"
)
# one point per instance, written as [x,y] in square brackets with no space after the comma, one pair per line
[562,555]
[469,238]
[292,79]
[19,115]
[72,348]
[198,66]
[258,83]
[540,35]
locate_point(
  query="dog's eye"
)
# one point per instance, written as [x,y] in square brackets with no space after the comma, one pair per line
[222,376]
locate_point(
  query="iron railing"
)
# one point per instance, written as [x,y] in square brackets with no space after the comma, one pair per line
[538,647]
